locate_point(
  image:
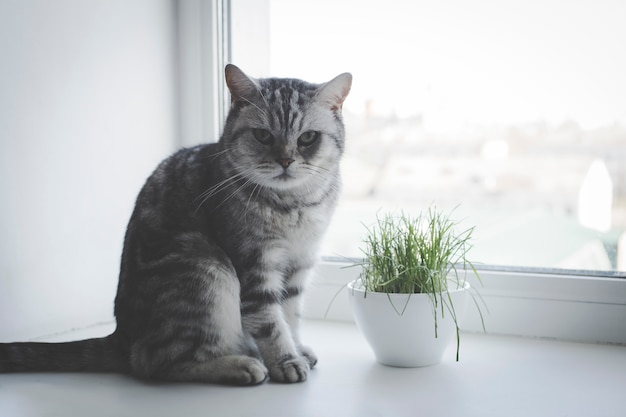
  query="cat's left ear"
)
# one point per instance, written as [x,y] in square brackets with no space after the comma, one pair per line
[335,91]
[240,85]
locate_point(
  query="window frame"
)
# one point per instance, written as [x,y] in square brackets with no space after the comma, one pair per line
[203,52]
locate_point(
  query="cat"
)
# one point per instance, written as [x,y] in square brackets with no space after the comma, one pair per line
[219,246]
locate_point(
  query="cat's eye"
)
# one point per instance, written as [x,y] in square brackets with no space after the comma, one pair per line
[263,136]
[308,138]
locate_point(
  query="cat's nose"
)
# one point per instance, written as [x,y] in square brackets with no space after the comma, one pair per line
[285,162]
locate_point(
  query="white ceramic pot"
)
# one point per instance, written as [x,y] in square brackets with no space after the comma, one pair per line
[400,328]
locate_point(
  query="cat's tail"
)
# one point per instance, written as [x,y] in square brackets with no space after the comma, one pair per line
[91,355]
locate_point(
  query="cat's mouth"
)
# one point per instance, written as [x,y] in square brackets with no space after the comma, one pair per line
[285,179]
[285,176]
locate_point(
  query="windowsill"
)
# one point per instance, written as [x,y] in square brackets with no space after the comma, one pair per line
[496,376]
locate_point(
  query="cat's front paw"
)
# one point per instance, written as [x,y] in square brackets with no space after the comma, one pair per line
[309,355]
[290,370]
[240,370]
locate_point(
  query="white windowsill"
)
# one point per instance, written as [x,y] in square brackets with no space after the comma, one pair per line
[496,376]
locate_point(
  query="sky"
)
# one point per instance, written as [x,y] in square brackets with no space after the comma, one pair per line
[462,62]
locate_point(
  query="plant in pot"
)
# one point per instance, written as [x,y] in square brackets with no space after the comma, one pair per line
[413,289]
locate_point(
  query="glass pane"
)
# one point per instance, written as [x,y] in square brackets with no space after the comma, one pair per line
[511,113]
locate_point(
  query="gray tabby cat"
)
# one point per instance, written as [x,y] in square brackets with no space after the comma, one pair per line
[219,246]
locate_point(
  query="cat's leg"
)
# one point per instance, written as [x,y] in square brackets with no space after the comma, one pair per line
[279,352]
[264,318]
[292,306]
[194,331]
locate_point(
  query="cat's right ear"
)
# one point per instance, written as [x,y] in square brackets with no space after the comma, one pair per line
[334,92]
[240,85]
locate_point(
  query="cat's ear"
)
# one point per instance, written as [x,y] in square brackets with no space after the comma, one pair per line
[240,85]
[335,91]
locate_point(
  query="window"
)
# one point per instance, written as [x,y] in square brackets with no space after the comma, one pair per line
[512,112]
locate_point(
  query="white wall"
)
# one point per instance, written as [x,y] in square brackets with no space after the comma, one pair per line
[87,109]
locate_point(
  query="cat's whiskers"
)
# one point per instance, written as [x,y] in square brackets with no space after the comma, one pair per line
[317,169]
[320,174]
[212,156]
[326,183]
[258,187]
[206,195]
[236,191]
[217,187]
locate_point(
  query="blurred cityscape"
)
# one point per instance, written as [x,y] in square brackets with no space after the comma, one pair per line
[538,195]
[441,109]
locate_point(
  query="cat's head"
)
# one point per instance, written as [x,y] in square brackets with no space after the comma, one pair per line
[284,133]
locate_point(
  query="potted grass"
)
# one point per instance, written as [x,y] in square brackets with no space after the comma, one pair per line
[413,290]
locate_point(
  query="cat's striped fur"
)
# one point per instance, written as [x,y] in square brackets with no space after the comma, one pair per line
[219,247]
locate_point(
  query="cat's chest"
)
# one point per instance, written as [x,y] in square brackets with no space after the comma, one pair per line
[290,235]
[295,239]
[297,224]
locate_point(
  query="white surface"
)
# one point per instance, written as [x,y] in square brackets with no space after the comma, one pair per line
[496,376]
[87,110]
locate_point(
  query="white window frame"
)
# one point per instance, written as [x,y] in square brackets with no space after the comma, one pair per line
[207,31]
[203,52]
[569,305]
